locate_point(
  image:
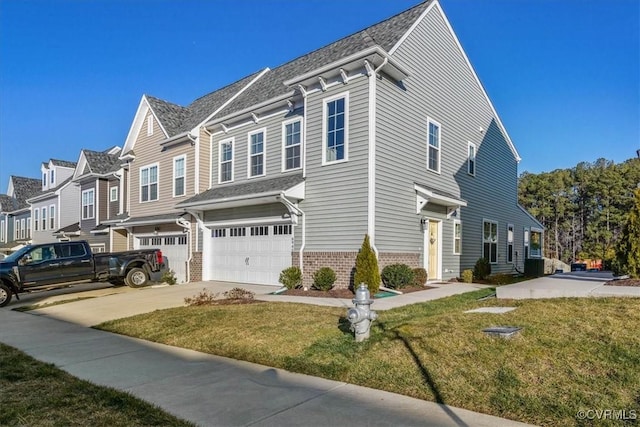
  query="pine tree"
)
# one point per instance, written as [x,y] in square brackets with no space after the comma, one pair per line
[628,250]
[367,270]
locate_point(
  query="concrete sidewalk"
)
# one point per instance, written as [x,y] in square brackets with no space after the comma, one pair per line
[567,285]
[209,390]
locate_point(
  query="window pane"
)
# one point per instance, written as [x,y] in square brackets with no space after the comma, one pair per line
[153,191]
[179,186]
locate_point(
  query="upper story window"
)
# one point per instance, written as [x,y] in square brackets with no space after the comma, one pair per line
[16,229]
[256,153]
[113,194]
[29,228]
[490,241]
[52,177]
[149,183]
[292,143]
[179,175]
[457,237]
[335,129]
[226,161]
[149,125]
[2,232]
[88,204]
[23,228]
[44,179]
[43,211]
[433,146]
[36,217]
[471,159]
[52,217]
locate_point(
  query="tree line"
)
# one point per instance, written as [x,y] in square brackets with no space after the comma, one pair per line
[583,209]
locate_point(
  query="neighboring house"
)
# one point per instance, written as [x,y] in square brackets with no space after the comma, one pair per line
[15,215]
[387,132]
[102,194]
[55,212]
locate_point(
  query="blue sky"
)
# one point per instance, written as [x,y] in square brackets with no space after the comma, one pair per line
[564,75]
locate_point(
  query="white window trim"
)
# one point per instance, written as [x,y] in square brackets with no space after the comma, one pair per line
[470,160]
[149,125]
[23,228]
[16,228]
[36,219]
[284,142]
[2,237]
[184,176]
[429,122]
[157,166]
[233,156]
[263,131]
[52,177]
[497,239]
[82,205]
[113,198]
[29,228]
[457,222]
[43,218]
[52,218]
[510,228]
[325,101]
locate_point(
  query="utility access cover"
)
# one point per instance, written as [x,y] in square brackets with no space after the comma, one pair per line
[502,331]
[496,310]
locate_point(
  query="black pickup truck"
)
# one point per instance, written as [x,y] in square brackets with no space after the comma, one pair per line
[57,264]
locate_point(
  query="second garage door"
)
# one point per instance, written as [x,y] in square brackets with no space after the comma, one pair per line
[253,254]
[174,247]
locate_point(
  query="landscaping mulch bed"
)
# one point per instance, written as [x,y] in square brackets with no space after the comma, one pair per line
[342,293]
[624,282]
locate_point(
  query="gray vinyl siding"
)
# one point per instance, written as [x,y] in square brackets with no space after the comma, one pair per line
[103,200]
[441,87]
[96,239]
[113,207]
[247,212]
[148,152]
[68,211]
[204,160]
[42,236]
[86,225]
[336,194]
[240,134]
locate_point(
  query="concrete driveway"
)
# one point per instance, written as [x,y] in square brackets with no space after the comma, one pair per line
[577,284]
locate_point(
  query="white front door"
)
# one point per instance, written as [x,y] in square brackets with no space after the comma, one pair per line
[250,254]
[433,249]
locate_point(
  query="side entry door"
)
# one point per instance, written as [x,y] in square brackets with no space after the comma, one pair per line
[40,266]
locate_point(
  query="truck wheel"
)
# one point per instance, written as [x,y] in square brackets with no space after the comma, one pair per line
[5,295]
[136,278]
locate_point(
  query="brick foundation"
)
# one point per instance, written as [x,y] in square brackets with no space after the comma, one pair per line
[344,263]
[195,267]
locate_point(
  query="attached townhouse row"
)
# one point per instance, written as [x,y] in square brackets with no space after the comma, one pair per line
[387,132]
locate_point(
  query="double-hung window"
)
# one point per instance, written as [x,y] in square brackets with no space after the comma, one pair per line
[433,146]
[52,177]
[113,194]
[28,228]
[226,161]
[292,141]
[52,217]
[43,211]
[23,228]
[256,153]
[457,237]
[88,204]
[149,183]
[36,221]
[179,164]
[490,241]
[2,236]
[16,229]
[471,159]
[510,243]
[335,128]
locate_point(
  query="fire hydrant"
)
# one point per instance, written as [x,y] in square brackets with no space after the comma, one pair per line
[361,315]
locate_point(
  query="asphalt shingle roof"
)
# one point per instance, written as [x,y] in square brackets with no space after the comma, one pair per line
[101,162]
[23,189]
[63,163]
[177,119]
[262,186]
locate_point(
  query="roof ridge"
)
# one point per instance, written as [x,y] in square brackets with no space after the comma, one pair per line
[225,86]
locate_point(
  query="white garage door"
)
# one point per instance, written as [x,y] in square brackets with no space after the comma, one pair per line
[254,254]
[174,247]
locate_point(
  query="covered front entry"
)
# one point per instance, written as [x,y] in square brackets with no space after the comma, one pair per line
[250,254]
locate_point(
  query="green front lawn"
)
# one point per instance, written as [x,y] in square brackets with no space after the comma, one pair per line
[34,393]
[573,354]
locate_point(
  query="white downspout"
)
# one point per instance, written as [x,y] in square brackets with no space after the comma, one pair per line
[301,214]
[371,199]
[181,222]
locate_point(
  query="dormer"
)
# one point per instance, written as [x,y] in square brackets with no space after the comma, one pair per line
[55,172]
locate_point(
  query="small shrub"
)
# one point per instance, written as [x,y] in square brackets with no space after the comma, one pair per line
[239,293]
[169,277]
[291,277]
[367,270]
[500,279]
[419,276]
[467,276]
[482,269]
[324,278]
[205,297]
[397,276]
